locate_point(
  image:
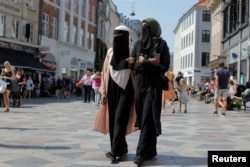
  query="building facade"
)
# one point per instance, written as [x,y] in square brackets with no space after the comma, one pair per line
[68,34]
[19,36]
[235,38]
[192,44]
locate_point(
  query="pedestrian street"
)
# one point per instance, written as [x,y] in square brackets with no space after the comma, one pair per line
[49,132]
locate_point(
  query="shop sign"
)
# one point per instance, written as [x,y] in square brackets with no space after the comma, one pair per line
[9,6]
[49,64]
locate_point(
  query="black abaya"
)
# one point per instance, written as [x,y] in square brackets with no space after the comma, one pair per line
[119,102]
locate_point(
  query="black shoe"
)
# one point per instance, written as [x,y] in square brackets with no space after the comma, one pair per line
[223,113]
[138,161]
[185,111]
[215,113]
[110,156]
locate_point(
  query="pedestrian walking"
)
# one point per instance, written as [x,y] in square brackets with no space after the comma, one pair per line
[29,87]
[87,84]
[117,114]
[152,61]
[170,93]
[7,74]
[96,83]
[221,88]
[183,98]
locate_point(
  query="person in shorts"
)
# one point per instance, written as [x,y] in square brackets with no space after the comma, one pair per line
[221,87]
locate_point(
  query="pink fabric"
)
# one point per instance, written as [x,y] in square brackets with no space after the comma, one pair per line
[102,118]
[97,82]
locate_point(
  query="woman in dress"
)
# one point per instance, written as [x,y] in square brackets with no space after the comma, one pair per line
[183,99]
[7,74]
[117,95]
[170,93]
[152,61]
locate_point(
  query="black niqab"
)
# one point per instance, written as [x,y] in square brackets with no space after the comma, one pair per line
[146,40]
[120,50]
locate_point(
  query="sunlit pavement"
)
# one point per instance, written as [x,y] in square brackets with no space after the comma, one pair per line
[49,132]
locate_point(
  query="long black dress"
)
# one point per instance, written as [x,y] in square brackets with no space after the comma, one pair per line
[148,94]
[119,102]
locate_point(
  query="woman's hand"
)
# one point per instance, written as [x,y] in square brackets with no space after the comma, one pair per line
[141,58]
[103,99]
[130,60]
[154,60]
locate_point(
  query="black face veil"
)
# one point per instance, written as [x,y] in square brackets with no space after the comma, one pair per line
[120,49]
[146,40]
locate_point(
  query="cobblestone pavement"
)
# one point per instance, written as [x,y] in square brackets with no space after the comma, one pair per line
[48,132]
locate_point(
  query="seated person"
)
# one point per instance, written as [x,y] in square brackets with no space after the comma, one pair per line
[235,93]
[204,91]
[246,94]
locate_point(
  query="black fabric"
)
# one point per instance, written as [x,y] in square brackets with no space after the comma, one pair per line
[146,41]
[15,88]
[21,59]
[119,103]
[120,50]
[147,141]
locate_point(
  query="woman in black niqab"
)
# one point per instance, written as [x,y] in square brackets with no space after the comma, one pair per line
[120,50]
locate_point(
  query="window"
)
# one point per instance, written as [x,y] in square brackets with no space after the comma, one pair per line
[83,8]
[192,38]
[92,36]
[13,29]
[31,4]
[45,25]
[58,2]
[191,61]
[31,38]
[2,25]
[206,14]
[17,29]
[75,34]
[205,36]
[82,38]
[205,59]
[67,4]
[54,27]
[93,14]
[244,11]
[76,6]
[66,31]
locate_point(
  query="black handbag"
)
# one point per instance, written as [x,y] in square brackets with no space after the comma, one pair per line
[164,82]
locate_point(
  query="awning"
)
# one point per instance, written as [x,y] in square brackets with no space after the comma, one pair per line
[21,59]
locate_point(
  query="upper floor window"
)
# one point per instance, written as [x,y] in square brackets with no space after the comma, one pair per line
[54,27]
[83,8]
[76,6]
[32,4]
[66,31]
[82,37]
[45,24]
[205,59]
[205,36]
[75,34]
[17,24]
[67,4]
[92,17]
[2,25]
[31,33]
[14,29]
[206,14]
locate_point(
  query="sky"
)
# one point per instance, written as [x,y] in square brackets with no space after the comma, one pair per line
[166,12]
